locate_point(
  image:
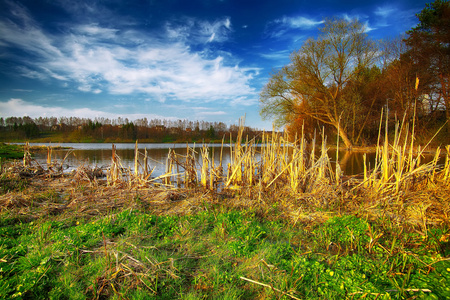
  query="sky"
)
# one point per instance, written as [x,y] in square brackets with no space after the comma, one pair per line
[163,59]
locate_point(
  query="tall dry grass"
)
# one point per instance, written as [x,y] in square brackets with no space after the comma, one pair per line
[300,176]
[294,167]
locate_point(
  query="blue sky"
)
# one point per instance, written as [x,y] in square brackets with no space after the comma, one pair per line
[174,59]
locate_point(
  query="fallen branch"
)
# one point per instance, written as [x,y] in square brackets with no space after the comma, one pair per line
[269,286]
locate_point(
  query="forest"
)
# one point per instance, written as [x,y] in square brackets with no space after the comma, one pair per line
[73,129]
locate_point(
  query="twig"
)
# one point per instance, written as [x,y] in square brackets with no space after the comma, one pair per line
[269,286]
[410,290]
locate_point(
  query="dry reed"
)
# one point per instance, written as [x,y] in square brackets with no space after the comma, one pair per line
[295,173]
[294,168]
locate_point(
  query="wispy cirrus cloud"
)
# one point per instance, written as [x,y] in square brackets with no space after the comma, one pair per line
[390,15]
[362,18]
[385,11]
[277,55]
[383,14]
[25,35]
[199,31]
[97,31]
[132,62]
[299,22]
[203,114]
[22,90]
[284,26]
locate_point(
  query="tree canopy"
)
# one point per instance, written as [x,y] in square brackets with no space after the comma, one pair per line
[429,52]
[316,82]
[341,81]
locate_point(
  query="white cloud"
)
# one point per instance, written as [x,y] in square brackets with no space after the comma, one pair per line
[289,27]
[22,90]
[21,108]
[277,55]
[132,62]
[210,113]
[384,11]
[299,22]
[159,70]
[199,31]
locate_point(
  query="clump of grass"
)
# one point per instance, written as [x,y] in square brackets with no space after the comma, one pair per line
[10,182]
[398,166]
[9,151]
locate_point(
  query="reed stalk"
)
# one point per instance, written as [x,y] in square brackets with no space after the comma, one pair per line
[113,174]
[49,155]
[136,160]
[212,173]
[169,168]
[338,167]
[26,155]
[145,163]
[446,170]
[204,167]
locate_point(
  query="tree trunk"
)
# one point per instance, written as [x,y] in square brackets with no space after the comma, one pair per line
[445,90]
[343,135]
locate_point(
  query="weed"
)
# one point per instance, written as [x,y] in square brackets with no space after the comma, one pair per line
[11,183]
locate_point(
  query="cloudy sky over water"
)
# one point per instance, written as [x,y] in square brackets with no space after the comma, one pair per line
[175,59]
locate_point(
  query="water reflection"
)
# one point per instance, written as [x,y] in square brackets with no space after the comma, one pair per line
[351,163]
[100,154]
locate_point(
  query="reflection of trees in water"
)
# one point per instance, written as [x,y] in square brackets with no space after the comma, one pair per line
[351,163]
[102,157]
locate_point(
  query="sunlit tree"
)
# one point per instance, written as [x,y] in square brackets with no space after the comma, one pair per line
[317,75]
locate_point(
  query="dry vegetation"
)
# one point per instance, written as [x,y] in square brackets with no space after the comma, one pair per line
[278,222]
[398,186]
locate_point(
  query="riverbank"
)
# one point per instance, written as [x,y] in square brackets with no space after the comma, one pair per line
[9,151]
[280,223]
[76,236]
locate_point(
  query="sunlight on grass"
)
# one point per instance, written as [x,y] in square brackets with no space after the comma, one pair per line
[279,223]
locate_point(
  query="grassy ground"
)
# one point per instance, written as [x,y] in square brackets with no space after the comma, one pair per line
[65,238]
[8,151]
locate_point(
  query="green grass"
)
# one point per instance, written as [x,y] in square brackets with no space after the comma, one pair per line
[10,184]
[136,255]
[8,151]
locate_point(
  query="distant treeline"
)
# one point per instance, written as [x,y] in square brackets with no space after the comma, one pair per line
[74,129]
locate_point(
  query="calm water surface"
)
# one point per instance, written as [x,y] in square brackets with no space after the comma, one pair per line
[99,154]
